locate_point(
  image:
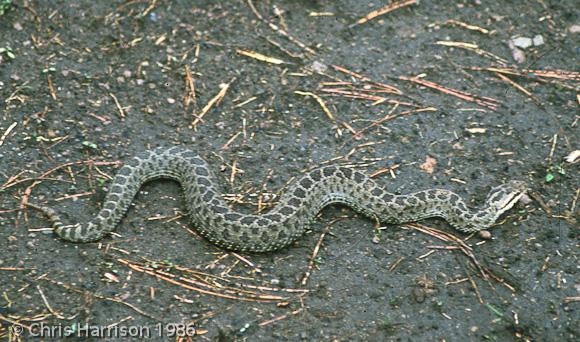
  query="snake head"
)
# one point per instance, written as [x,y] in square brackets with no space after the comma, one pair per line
[503,197]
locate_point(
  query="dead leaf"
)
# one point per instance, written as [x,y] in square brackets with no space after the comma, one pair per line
[429,165]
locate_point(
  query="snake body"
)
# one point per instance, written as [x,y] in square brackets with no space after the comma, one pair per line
[287,220]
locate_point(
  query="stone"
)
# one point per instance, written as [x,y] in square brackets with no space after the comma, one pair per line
[522,42]
[538,40]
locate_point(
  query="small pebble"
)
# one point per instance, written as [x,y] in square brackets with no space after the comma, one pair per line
[319,67]
[538,40]
[574,29]
[419,294]
[484,234]
[522,42]
[518,55]
[525,199]
[170,100]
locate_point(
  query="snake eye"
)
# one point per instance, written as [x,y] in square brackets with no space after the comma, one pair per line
[505,196]
[495,194]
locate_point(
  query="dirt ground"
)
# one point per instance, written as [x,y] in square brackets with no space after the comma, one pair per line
[430,94]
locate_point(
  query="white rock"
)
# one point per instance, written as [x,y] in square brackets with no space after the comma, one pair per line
[518,55]
[538,40]
[573,157]
[522,42]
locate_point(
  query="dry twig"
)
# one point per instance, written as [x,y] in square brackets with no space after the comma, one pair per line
[320,102]
[279,30]
[483,101]
[8,130]
[259,56]
[475,48]
[467,26]
[190,83]
[518,87]
[215,100]
[119,107]
[384,10]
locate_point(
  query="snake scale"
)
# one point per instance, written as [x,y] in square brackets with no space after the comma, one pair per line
[288,219]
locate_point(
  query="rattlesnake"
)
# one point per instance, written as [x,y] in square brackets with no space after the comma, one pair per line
[287,220]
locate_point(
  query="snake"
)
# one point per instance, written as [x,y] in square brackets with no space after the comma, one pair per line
[289,218]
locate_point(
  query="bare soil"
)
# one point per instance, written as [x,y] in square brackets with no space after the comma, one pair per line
[84,85]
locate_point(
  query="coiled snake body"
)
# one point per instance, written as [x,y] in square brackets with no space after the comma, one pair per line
[285,222]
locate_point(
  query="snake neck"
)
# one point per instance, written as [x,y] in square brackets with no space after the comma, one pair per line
[351,188]
[438,203]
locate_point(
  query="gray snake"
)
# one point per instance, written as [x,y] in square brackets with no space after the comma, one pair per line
[288,219]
